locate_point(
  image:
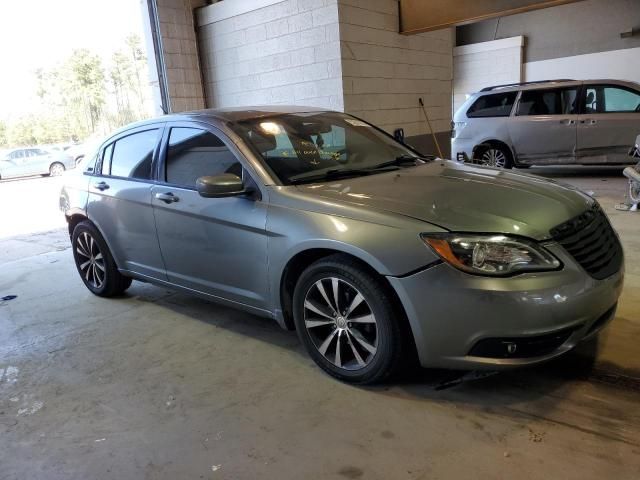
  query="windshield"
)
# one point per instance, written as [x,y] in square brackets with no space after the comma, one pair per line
[319,146]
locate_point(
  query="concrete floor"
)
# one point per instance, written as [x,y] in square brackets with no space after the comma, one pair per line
[158,385]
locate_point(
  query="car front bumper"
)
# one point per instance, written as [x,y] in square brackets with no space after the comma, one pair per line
[464,321]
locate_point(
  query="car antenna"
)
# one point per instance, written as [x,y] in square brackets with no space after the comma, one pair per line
[435,140]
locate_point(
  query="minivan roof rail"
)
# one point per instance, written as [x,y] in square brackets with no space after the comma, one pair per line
[488,89]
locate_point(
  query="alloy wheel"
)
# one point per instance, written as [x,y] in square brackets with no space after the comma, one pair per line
[494,157]
[340,323]
[90,260]
[56,170]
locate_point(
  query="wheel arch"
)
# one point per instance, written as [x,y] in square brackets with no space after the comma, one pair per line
[73,219]
[493,142]
[303,259]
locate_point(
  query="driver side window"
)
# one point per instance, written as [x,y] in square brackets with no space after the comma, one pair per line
[195,153]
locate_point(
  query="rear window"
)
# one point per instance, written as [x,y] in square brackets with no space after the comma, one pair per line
[496,105]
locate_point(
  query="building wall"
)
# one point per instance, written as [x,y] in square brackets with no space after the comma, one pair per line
[618,64]
[180,53]
[338,54]
[580,28]
[284,53]
[484,64]
[384,73]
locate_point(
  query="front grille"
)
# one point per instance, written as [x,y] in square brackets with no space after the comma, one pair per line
[521,347]
[591,241]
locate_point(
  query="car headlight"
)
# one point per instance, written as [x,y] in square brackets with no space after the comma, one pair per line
[493,255]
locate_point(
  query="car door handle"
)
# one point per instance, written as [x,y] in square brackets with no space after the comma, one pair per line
[167,197]
[102,186]
[589,121]
[567,122]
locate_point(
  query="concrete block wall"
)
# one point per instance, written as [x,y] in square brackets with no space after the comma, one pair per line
[384,73]
[484,64]
[181,53]
[287,52]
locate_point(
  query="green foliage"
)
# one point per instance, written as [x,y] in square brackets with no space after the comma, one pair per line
[81,97]
[3,134]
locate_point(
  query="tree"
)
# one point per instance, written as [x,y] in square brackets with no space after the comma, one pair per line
[81,97]
[3,134]
[85,84]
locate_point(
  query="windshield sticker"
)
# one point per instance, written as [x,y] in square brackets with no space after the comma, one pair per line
[356,123]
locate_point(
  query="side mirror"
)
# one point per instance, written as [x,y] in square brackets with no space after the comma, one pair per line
[398,134]
[216,186]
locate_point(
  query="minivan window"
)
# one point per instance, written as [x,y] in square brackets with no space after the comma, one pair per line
[132,155]
[556,101]
[610,99]
[496,105]
[195,153]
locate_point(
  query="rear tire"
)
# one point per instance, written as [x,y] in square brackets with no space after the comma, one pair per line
[95,263]
[356,338]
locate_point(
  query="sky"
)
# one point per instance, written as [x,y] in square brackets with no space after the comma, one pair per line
[42,33]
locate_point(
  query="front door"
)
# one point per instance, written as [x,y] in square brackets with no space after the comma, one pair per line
[543,130]
[609,123]
[120,201]
[213,245]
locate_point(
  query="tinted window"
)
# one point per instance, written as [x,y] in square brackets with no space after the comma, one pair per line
[195,153]
[559,101]
[497,105]
[132,155]
[106,159]
[17,154]
[609,99]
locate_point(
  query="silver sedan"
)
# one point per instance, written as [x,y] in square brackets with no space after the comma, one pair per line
[326,224]
[25,162]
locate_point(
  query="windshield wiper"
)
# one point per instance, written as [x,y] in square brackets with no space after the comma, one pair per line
[402,160]
[331,175]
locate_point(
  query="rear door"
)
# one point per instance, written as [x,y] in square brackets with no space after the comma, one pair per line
[543,130]
[120,200]
[608,124]
[38,161]
[214,245]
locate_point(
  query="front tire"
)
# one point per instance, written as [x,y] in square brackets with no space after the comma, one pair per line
[95,263]
[346,321]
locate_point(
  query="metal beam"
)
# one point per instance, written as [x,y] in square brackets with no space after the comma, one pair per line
[417,16]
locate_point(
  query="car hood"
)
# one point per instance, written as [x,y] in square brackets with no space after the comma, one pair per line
[463,198]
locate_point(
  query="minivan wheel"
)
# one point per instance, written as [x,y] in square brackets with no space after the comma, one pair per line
[496,157]
[346,321]
[95,263]
[56,169]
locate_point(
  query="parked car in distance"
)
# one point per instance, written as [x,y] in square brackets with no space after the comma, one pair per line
[328,225]
[28,161]
[555,122]
[79,151]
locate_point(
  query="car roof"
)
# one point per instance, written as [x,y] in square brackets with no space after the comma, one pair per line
[232,114]
[553,83]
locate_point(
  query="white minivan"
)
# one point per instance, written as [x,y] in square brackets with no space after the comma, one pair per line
[553,122]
